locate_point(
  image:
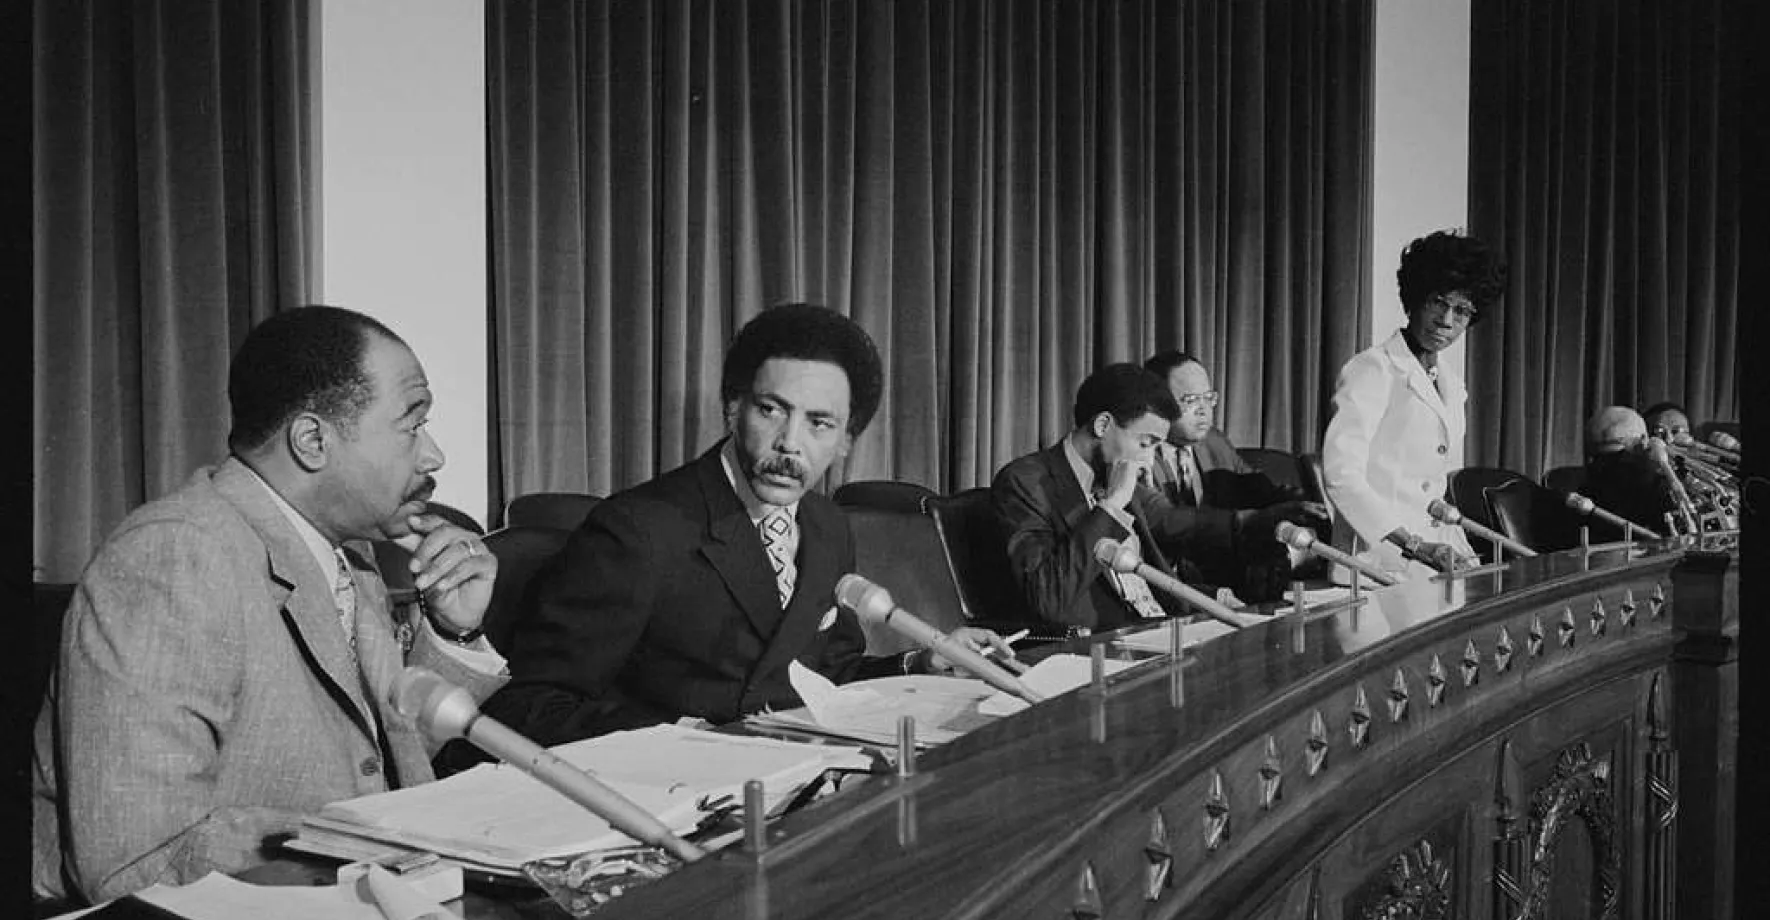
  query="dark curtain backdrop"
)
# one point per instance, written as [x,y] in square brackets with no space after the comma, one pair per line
[1605,160]
[1005,194]
[173,190]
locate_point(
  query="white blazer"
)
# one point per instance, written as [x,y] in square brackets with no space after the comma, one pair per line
[1389,450]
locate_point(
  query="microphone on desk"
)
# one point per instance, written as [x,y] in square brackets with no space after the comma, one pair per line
[1588,508]
[445,712]
[1304,539]
[1446,513]
[873,604]
[1125,561]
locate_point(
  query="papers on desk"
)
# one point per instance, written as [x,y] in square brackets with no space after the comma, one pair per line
[868,711]
[1157,640]
[218,897]
[1055,675]
[493,818]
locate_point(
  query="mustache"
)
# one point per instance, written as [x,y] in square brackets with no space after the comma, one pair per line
[426,488]
[781,466]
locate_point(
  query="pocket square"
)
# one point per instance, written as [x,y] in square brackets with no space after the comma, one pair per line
[828,621]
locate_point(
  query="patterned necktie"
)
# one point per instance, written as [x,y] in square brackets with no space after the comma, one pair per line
[780,539]
[344,596]
[1136,590]
[1190,479]
[1131,585]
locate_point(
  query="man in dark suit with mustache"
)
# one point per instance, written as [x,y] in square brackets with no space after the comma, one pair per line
[693,594]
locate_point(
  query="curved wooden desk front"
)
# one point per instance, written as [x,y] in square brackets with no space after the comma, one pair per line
[1496,746]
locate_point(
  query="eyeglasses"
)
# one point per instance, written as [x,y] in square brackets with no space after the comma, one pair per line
[1207,399]
[1457,305]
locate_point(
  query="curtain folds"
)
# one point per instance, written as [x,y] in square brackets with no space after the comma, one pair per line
[173,195]
[1605,161]
[1005,194]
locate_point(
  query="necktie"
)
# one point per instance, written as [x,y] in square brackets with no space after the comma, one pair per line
[1131,585]
[344,596]
[1135,590]
[1191,482]
[780,538]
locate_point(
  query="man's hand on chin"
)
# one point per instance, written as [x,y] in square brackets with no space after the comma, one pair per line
[452,569]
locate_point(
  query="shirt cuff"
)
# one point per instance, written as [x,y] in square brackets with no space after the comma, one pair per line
[477,655]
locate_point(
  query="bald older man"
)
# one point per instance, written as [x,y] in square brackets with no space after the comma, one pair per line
[1620,474]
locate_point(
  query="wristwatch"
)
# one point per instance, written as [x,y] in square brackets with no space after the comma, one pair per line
[446,631]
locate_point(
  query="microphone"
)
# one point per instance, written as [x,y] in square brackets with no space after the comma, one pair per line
[445,712]
[1724,441]
[1588,508]
[1656,448]
[873,604]
[1446,513]
[1303,538]
[1125,561]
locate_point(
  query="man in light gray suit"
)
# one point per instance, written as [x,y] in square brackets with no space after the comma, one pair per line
[225,659]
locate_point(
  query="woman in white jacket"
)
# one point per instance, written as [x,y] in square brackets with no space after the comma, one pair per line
[1398,424]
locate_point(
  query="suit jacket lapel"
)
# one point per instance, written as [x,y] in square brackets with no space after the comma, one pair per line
[735,551]
[1417,381]
[305,591]
[1071,503]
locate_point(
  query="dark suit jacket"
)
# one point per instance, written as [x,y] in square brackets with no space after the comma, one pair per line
[1051,531]
[1208,538]
[1629,483]
[663,605]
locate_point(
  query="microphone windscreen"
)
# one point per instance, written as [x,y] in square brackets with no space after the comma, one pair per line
[1291,535]
[1580,503]
[1444,511]
[441,709]
[1724,441]
[1116,556]
[868,601]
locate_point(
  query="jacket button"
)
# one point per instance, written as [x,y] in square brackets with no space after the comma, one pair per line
[1444,448]
[371,766]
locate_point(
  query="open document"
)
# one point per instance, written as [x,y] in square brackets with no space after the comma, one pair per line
[494,817]
[868,711]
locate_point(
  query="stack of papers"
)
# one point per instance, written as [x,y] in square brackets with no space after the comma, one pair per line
[494,818]
[868,711]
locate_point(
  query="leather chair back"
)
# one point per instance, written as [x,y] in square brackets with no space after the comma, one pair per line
[883,495]
[1565,479]
[977,557]
[1468,491]
[556,510]
[900,551]
[1280,466]
[521,552]
[1534,516]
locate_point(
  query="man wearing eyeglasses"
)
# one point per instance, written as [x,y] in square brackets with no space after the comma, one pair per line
[1212,510]
[1397,430]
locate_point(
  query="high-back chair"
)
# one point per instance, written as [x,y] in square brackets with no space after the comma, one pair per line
[1468,491]
[521,552]
[558,510]
[977,555]
[1534,516]
[897,547]
[1280,466]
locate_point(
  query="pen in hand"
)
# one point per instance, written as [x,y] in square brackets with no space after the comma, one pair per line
[1009,663]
